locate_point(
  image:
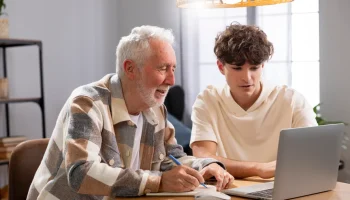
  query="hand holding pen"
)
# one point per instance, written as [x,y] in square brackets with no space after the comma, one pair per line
[176,161]
[180,179]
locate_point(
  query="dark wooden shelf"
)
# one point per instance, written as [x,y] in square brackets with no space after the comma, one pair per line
[20,100]
[12,42]
[17,42]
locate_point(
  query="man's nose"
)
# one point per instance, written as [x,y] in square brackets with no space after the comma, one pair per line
[246,76]
[170,77]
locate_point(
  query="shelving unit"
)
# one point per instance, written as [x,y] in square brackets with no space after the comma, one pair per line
[9,43]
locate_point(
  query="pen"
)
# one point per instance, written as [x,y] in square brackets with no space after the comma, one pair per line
[176,161]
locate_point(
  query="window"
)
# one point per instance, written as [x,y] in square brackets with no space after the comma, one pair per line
[210,22]
[293,28]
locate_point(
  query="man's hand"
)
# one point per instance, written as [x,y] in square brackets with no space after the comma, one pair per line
[223,178]
[180,179]
[266,170]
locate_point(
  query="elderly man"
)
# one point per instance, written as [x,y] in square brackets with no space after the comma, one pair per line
[112,137]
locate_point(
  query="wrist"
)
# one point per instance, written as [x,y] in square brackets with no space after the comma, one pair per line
[256,169]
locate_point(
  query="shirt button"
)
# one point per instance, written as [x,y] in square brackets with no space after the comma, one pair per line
[111,162]
[161,156]
[148,191]
[130,123]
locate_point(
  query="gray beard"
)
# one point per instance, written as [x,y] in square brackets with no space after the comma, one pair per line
[146,95]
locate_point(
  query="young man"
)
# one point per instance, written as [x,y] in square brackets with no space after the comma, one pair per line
[239,123]
[112,137]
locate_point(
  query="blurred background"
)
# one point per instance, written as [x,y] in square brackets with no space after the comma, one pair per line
[80,37]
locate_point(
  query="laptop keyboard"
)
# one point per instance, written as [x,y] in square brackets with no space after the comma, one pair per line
[263,193]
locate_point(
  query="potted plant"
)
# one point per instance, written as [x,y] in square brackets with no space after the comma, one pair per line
[320,120]
[4,23]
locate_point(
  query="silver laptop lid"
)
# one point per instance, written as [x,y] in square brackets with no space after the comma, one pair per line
[307,160]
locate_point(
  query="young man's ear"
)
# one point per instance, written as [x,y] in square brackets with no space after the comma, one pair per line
[130,69]
[220,66]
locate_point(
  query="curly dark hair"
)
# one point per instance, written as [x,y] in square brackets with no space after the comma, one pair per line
[239,44]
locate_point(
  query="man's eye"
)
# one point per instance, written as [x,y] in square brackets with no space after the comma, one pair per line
[236,68]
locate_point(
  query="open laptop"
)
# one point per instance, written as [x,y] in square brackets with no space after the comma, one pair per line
[307,163]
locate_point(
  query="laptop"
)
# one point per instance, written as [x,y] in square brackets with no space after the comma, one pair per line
[307,163]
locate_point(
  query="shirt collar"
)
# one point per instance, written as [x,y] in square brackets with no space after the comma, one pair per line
[235,109]
[118,106]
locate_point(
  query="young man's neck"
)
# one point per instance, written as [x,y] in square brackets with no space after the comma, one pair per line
[247,101]
[132,97]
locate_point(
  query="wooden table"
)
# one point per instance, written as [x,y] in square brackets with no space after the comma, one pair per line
[341,192]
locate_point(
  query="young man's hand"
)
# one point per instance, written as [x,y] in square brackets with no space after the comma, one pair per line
[266,170]
[223,178]
[180,179]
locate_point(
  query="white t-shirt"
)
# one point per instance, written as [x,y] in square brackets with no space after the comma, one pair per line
[250,135]
[135,159]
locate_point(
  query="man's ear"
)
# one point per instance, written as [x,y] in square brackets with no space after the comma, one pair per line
[130,69]
[221,67]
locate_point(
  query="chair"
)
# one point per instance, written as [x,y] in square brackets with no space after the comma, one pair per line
[24,162]
[175,104]
[175,101]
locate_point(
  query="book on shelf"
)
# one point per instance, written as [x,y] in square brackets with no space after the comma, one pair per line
[5,155]
[11,141]
[7,149]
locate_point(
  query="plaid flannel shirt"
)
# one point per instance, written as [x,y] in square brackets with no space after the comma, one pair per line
[91,147]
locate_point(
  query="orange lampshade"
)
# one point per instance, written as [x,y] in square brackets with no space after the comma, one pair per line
[226,3]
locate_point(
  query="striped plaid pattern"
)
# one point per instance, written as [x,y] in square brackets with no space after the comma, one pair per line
[91,146]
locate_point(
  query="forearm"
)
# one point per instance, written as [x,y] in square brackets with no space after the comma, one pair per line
[101,179]
[238,169]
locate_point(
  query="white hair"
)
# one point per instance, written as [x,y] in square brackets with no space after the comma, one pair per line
[135,46]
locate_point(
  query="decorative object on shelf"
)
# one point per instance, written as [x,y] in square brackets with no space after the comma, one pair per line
[226,3]
[3,88]
[4,22]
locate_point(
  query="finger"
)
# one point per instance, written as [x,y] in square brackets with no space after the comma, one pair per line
[225,180]
[195,174]
[187,186]
[219,179]
[191,179]
[230,182]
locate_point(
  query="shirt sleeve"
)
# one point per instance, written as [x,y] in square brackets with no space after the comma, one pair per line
[303,115]
[202,122]
[85,172]
[176,150]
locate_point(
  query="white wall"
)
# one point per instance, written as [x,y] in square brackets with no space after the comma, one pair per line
[335,68]
[79,40]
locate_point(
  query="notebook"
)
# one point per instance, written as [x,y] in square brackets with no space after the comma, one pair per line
[200,188]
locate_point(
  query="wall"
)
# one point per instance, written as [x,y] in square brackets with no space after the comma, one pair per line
[335,69]
[79,40]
